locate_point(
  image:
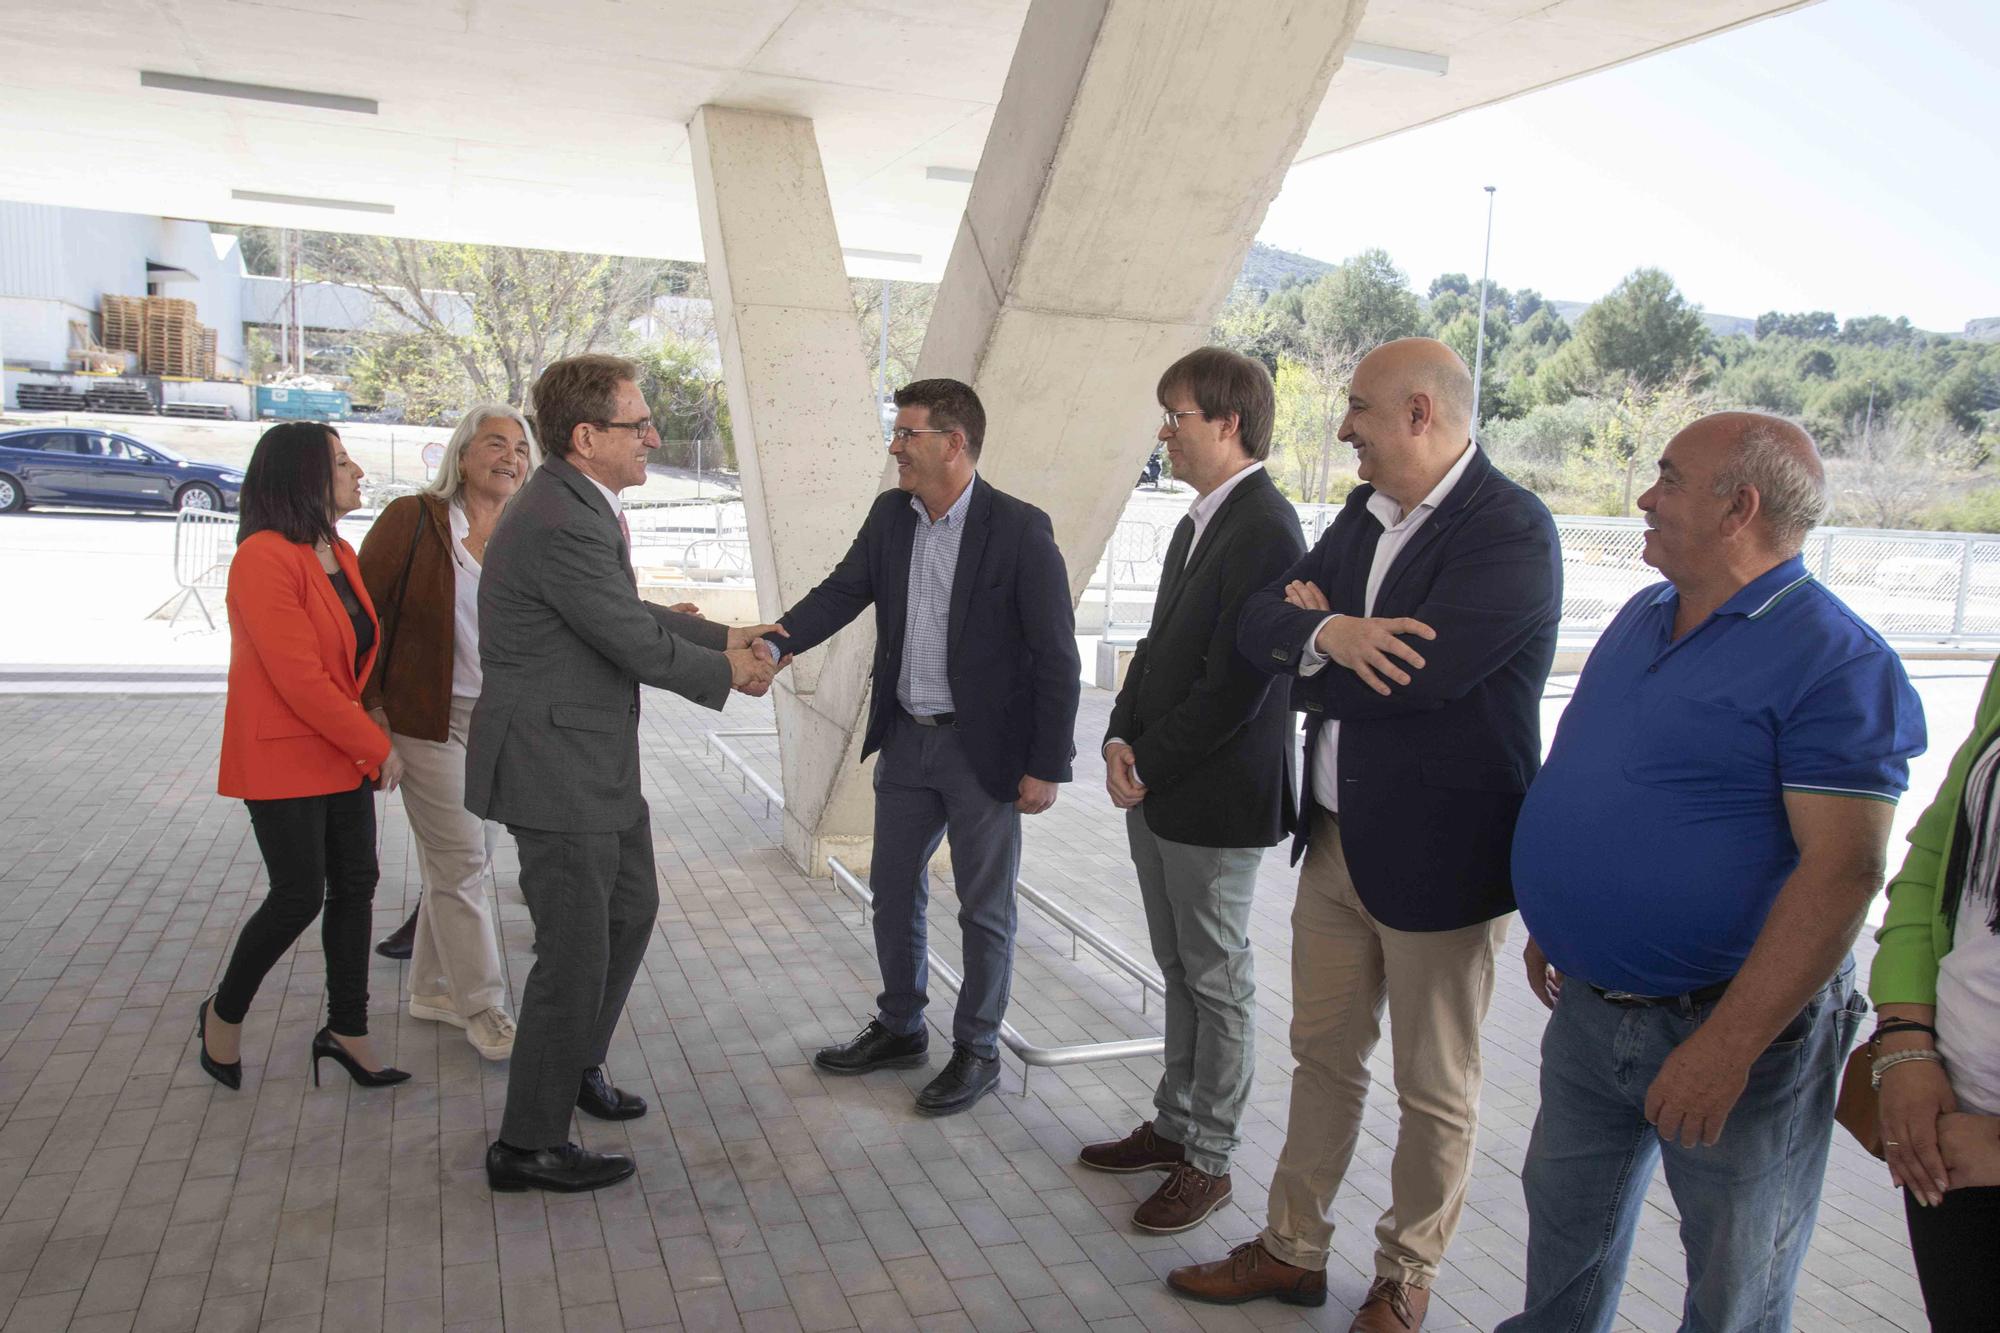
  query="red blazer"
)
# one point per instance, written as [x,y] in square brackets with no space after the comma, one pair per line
[294,725]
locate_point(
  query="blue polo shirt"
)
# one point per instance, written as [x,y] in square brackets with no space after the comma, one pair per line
[1654,841]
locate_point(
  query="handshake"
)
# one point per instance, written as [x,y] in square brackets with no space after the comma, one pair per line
[754,661]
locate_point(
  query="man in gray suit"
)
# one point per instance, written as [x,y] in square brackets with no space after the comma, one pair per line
[553,753]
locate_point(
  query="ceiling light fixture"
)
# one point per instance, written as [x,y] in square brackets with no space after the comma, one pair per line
[959,175]
[308,201]
[884,256]
[1397,57]
[258,92]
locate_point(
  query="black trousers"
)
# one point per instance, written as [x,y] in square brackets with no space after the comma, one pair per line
[320,852]
[1956,1246]
[593,897]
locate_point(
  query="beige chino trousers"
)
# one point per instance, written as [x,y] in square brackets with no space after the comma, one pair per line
[1436,985]
[456,954]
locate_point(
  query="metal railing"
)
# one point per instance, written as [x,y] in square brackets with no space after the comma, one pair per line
[1150,982]
[1031,1055]
[718,744]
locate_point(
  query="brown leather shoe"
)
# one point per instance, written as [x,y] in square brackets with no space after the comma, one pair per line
[1391,1307]
[1250,1273]
[1184,1199]
[1141,1150]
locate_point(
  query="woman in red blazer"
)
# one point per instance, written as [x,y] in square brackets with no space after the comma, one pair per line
[297,747]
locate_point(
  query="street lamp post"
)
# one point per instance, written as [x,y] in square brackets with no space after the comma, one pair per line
[1479,352]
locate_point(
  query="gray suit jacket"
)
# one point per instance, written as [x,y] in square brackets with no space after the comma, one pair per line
[564,641]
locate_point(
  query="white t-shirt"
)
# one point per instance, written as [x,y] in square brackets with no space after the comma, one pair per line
[1968,984]
[466,679]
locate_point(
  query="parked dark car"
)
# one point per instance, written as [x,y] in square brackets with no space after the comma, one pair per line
[102,469]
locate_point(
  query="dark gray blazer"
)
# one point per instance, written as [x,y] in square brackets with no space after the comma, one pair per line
[564,641]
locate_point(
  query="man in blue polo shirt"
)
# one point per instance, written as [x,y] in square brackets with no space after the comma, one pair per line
[1692,864]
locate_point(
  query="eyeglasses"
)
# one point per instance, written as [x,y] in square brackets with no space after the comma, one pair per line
[641,428]
[1172,419]
[904,434]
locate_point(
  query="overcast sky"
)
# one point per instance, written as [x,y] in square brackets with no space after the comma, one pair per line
[1843,157]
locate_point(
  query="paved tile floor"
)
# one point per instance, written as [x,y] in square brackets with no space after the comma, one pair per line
[137,1194]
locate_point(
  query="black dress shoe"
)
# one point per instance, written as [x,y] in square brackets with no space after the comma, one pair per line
[402,942]
[964,1081]
[565,1168]
[875,1047]
[600,1099]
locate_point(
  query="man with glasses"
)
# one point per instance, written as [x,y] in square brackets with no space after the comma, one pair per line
[974,701]
[1198,756]
[553,753]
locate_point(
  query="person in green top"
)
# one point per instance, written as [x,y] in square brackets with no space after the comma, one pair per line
[1936,987]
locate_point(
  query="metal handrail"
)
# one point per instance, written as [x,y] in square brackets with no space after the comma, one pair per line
[718,742]
[1077,1053]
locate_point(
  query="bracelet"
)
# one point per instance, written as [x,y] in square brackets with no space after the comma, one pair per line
[1889,1027]
[1884,1062]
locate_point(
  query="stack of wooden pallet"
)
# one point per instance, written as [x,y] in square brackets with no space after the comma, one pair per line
[118,396]
[205,353]
[124,322]
[49,398]
[201,411]
[173,337]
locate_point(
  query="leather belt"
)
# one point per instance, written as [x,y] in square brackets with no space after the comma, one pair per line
[932,719]
[1627,1000]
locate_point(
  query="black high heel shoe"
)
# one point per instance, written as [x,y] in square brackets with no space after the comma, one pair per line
[326,1048]
[228,1075]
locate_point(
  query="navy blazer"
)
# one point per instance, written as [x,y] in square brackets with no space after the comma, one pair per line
[1011,654]
[1211,731]
[1431,775]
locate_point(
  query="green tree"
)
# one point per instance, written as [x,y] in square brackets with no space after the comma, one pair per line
[501,312]
[681,378]
[1645,331]
[1807,324]
[1880,331]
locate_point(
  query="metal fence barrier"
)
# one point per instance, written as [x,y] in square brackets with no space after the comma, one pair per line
[1918,589]
[204,544]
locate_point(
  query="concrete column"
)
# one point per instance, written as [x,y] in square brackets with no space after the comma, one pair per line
[1132,157]
[808,441]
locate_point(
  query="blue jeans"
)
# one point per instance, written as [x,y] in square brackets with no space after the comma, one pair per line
[924,786]
[1747,1204]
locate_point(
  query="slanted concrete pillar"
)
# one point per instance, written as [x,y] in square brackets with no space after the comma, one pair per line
[808,441]
[1134,152]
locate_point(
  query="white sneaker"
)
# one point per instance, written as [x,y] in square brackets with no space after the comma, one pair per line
[491,1033]
[435,1009]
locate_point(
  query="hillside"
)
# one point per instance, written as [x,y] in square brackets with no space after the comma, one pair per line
[1268,268]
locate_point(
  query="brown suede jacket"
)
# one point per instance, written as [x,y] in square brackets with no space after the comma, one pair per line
[412,677]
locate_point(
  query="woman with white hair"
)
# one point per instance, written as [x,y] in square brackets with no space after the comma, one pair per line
[421,563]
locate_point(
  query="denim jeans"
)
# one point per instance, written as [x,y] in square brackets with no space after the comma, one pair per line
[1747,1204]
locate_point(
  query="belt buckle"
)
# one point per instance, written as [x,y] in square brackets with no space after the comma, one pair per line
[1626,999]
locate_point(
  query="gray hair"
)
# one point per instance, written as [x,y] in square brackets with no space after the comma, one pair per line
[450,478]
[1790,484]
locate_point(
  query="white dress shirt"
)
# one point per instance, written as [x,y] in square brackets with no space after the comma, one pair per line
[466,679]
[1397,529]
[1203,509]
[617,506]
